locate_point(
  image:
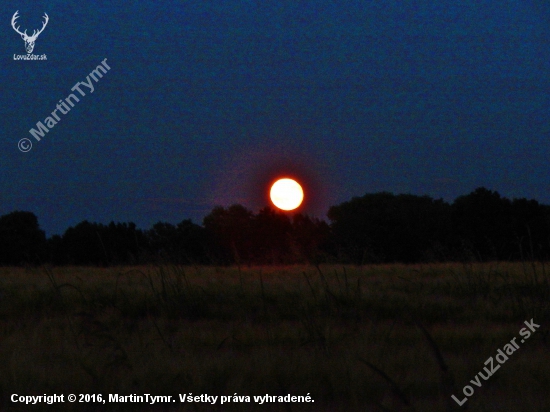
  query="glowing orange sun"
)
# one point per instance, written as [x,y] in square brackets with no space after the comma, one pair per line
[286,194]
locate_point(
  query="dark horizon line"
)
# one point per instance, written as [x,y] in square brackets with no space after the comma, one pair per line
[294,212]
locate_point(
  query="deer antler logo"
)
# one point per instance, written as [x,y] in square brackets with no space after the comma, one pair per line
[29,40]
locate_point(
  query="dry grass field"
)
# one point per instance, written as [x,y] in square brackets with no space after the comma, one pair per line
[370,338]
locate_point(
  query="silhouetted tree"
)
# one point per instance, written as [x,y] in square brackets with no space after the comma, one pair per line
[162,238]
[530,225]
[382,227]
[183,244]
[230,234]
[21,240]
[123,242]
[56,254]
[271,231]
[83,244]
[482,223]
[97,244]
[193,242]
[311,238]
[237,235]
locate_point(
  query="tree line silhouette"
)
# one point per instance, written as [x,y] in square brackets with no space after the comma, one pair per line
[375,228]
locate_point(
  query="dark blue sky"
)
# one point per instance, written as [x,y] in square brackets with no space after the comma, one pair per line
[207,101]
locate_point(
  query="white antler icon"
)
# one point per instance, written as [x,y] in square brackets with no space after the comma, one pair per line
[29,40]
